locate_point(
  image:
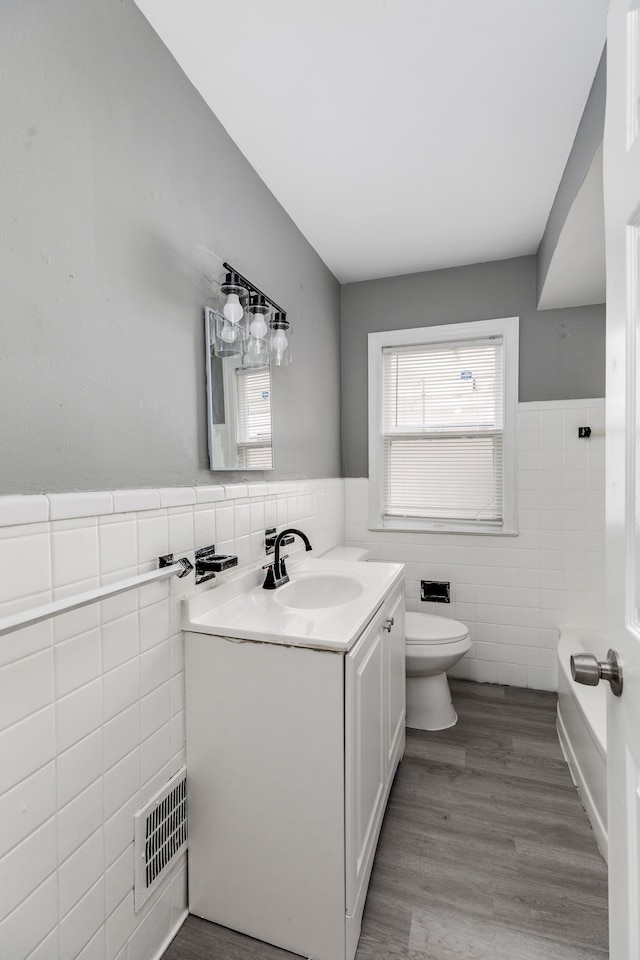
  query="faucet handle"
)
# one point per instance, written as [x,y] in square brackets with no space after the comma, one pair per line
[271,579]
[267,566]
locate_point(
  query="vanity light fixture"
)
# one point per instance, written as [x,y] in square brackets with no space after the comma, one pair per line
[249,324]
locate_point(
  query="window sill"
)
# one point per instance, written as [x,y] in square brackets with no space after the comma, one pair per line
[416,527]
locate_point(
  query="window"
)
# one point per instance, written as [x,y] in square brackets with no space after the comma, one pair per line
[442,403]
[253,438]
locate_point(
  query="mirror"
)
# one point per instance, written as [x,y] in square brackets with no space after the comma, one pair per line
[238,410]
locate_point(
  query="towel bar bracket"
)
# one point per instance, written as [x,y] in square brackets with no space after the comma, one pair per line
[168,561]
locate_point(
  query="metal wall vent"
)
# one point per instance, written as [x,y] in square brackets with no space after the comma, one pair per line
[160,835]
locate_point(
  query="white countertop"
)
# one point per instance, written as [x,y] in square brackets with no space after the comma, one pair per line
[243,610]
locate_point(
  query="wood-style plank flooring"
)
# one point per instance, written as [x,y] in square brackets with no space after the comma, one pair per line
[485,851]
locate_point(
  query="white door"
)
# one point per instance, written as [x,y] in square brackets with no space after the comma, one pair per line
[622,217]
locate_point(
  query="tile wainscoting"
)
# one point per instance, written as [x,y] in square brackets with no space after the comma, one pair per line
[92,701]
[516,592]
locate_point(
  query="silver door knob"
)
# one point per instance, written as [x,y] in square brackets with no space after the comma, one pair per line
[585,668]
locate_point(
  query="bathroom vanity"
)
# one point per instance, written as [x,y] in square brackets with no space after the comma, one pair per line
[295,728]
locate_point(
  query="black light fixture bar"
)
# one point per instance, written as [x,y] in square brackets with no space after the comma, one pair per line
[253,288]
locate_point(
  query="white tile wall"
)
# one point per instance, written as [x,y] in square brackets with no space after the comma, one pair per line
[516,592]
[92,703]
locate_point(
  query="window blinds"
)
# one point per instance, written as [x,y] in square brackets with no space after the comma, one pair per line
[443,419]
[254,418]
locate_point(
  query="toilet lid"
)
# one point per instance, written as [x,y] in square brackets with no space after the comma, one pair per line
[425,628]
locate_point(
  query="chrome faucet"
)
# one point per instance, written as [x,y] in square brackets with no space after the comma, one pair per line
[276,571]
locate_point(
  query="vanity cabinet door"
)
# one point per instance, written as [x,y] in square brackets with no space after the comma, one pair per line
[395,680]
[365,756]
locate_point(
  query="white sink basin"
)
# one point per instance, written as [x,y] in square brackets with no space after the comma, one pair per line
[325,606]
[316,591]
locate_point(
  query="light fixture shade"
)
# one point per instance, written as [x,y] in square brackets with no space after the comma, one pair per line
[256,348]
[229,338]
[233,298]
[258,315]
[280,340]
[256,360]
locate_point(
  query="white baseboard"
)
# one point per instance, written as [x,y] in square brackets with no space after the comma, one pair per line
[167,940]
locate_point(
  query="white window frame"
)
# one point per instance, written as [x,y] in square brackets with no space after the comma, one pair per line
[507,328]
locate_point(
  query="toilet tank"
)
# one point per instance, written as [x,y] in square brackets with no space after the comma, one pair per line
[346,553]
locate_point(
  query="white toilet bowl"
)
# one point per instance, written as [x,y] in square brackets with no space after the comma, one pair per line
[433,645]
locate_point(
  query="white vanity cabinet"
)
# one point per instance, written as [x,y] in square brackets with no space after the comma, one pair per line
[291,752]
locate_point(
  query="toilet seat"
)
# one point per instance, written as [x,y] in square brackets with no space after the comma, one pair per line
[426,628]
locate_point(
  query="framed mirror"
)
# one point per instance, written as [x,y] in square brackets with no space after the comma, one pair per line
[238,408]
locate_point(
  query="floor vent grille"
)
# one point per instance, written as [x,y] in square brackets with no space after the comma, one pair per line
[160,834]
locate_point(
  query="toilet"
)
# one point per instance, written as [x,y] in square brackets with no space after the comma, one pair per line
[433,645]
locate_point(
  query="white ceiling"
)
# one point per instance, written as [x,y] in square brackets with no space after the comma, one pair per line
[399,135]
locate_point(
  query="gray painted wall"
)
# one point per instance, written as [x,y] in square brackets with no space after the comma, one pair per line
[113,173]
[561,351]
[585,146]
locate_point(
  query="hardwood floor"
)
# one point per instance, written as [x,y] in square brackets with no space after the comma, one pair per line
[485,851]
